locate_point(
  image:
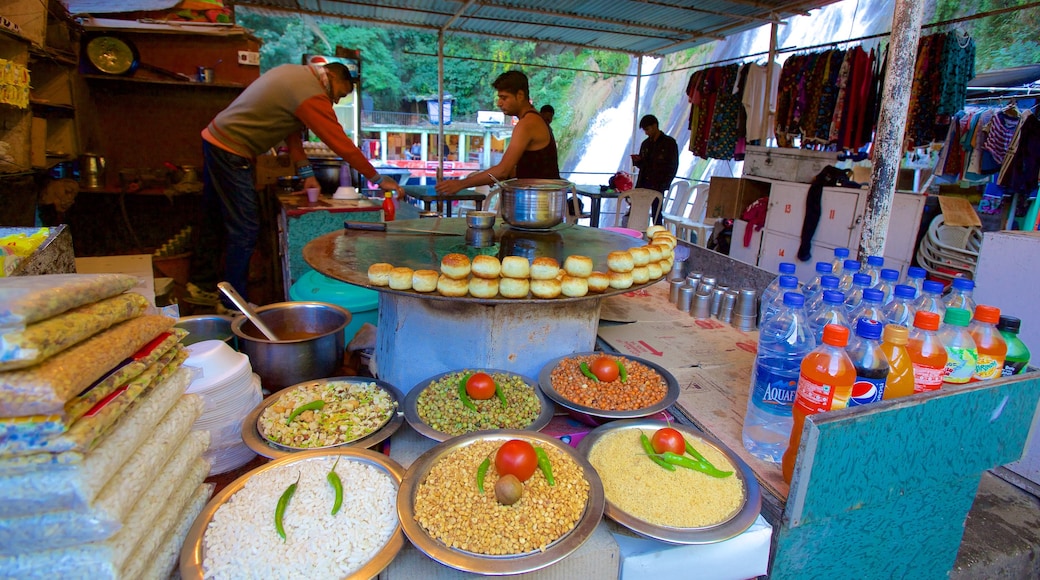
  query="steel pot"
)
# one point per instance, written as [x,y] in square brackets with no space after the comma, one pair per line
[310,346]
[327,173]
[535,204]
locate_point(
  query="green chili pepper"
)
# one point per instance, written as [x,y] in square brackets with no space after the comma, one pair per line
[696,454]
[312,406]
[337,486]
[482,473]
[283,502]
[544,465]
[688,463]
[649,449]
[585,370]
[501,396]
[622,371]
[462,392]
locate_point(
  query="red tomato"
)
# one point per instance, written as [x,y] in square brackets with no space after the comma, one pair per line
[480,386]
[605,369]
[516,456]
[668,439]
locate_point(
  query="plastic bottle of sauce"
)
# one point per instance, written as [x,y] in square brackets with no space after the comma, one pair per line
[961,353]
[1018,353]
[824,383]
[927,353]
[991,345]
[389,209]
[900,381]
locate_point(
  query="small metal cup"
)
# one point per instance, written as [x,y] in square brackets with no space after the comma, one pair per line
[726,310]
[673,291]
[685,298]
[708,280]
[693,278]
[746,303]
[701,306]
[743,323]
[716,300]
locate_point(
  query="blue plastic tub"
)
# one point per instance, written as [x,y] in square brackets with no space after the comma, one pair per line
[362,303]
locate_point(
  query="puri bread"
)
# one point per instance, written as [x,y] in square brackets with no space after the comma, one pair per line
[666,250]
[401,278]
[545,288]
[620,261]
[514,287]
[578,266]
[483,287]
[485,267]
[598,282]
[574,286]
[655,253]
[379,274]
[455,266]
[544,269]
[515,267]
[640,275]
[664,238]
[640,256]
[655,270]
[666,264]
[621,280]
[653,229]
[424,280]
[452,287]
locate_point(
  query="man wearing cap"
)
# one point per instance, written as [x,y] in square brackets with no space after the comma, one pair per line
[658,160]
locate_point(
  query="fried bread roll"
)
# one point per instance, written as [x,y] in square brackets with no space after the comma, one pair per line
[620,280]
[544,269]
[515,267]
[620,261]
[424,280]
[455,266]
[452,287]
[578,266]
[514,287]
[483,287]
[598,282]
[379,274]
[546,288]
[640,256]
[574,286]
[486,267]
[655,270]
[655,253]
[401,278]
[640,275]
[653,229]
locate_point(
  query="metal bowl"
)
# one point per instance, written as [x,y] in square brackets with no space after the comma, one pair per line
[534,203]
[206,327]
[481,220]
[670,396]
[290,183]
[731,527]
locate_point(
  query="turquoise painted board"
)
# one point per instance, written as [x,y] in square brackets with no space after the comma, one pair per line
[304,228]
[894,481]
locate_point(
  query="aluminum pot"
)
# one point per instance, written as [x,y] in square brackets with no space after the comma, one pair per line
[535,204]
[310,344]
[206,327]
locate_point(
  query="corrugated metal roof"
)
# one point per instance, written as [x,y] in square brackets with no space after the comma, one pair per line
[633,26]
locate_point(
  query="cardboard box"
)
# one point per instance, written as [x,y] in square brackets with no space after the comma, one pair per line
[139,266]
[729,196]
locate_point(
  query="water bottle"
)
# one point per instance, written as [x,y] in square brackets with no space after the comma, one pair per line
[990,343]
[870,307]
[1018,353]
[813,286]
[960,295]
[961,353]
[773,290]
[826,283]
[901,309]
[871,363]
[782,344]
[840,255]
[849,269]
[915,277]
[930,299]
[787,284]
[854,295]
[832,311]
[873,267]
[887,283]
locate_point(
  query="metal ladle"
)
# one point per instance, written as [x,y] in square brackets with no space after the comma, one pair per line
[242,305]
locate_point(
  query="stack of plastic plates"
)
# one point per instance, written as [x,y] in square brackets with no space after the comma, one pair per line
[229,391]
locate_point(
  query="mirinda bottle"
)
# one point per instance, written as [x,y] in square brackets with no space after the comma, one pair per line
[927,353]
[824,384]
[991,345]
[900,382]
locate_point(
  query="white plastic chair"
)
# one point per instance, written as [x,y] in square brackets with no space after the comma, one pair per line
[641,201]
[692,226]
[675,204]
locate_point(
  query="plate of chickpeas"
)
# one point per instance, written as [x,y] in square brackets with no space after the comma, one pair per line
[609,386]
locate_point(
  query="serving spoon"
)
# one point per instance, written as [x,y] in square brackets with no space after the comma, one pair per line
[242,305]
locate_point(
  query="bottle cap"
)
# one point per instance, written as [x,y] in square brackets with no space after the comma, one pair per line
[824,268]
[957,317]
[904,291]
[787,268]
[861,279]
[1009,324]
[896,334]
[388,194]
[788,282]
[851,265]
[926,320]
[829,282]
[873,295]
[932,286]
[868,328]
[916,272]
[963,284]
[841,253]
[876,261]
[835,335]
[889,274]
[794,299]
[833,297]
[987,314]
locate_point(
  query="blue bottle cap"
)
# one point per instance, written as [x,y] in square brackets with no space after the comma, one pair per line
[861,279]
[788,282]
[904,291]
[794,299]
[876,261]
[873,295]
[851,265]
[841,253]
[963,284]
[824,268]
[833,297]
[915,272]
[787,268]
[889,274]
[932,286]
[869,329]
[829,282]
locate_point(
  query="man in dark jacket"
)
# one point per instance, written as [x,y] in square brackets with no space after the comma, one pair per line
[658,160]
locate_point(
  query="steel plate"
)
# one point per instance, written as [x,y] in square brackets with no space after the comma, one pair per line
[731,527]
[193,551]
[411,410]
[496,565]
[258,443]
[670,396]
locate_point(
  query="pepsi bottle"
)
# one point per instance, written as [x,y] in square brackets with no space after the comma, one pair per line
[901,309]
[870,361]
[773,290]
[887,283]
[826,283]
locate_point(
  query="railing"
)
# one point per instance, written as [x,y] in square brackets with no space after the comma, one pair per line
[369,118]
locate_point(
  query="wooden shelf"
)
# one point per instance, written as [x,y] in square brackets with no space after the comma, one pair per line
[62,56]
[45,107]
[92,77]
[14,36]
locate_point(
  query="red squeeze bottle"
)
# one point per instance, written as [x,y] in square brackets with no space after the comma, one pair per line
[388,207]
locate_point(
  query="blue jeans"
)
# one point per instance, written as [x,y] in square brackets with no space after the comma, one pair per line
[230,218]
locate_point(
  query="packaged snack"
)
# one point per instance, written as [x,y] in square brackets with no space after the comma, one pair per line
[27,299]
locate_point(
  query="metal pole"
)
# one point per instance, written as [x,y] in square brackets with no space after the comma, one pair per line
[635,113]
[440,105]
[767,118]
[888,139]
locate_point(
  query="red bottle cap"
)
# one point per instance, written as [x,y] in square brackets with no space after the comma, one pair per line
[926,320]
[835,335]
[987,314]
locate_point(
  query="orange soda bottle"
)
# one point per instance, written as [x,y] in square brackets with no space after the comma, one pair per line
[927,353]
[992,346]
[900,381]
[824,384]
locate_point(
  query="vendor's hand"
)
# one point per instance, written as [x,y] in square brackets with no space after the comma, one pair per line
[449,187]
[636,159]
[309,183]
[388,184]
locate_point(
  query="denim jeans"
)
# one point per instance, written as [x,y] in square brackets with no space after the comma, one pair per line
[230,219]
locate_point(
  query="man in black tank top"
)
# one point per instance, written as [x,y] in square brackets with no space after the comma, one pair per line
[532,148]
